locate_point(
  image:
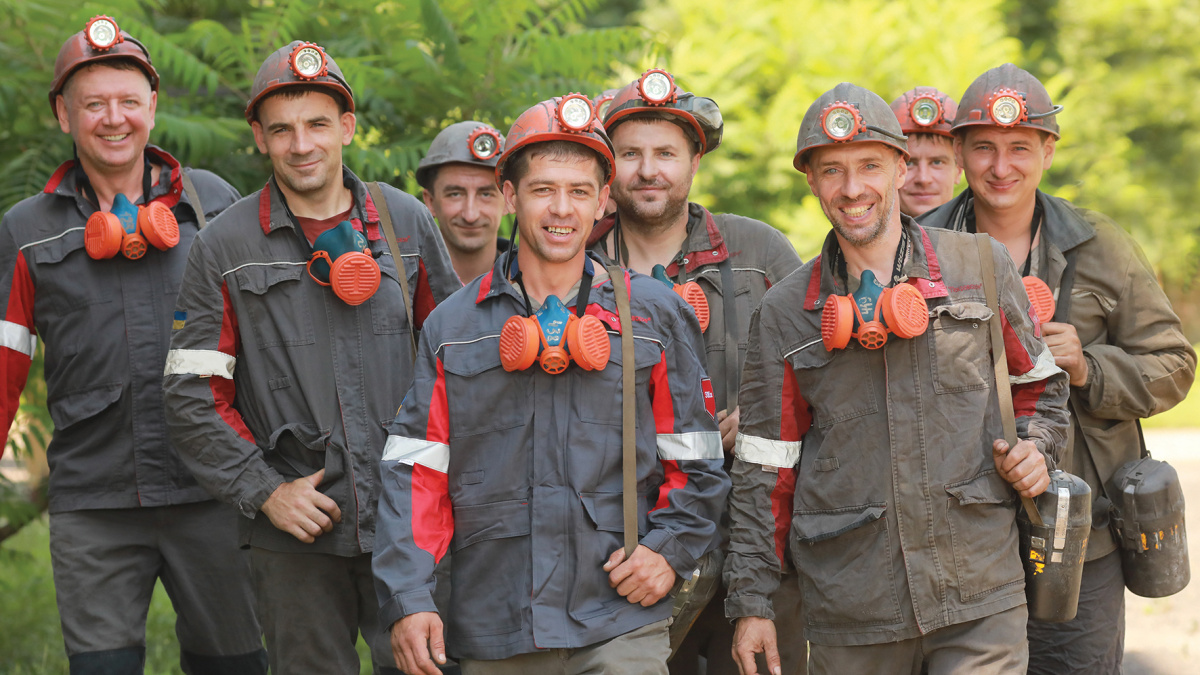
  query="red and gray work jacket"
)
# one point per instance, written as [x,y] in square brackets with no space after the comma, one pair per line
[518,474]
[272,377]
[106,325]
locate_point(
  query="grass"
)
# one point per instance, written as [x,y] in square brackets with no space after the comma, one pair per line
[30,635]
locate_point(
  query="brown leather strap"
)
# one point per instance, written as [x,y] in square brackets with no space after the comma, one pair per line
[189,188]
[389,235]
[729,301]
[628,410]
[1003,388]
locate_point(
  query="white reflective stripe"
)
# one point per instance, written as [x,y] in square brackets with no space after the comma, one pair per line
[692,445]
[50,239]
[412,451]
[1042,369]
[17,338]
[202,362]
[285,263]
[755,450]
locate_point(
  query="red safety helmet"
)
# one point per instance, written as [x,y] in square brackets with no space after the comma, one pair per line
[848,113]
[100,40]
[297,64]
[564,118]
[656,92]
[925,110]
[1007,96]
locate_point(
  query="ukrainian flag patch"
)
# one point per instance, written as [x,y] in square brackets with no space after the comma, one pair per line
[180,320]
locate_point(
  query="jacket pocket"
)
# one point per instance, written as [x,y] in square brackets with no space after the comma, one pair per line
[490,572]
[846,558]
[474,375]
[598,395]
[836,384]
[959,349]
[602,533]
[297,449]
[388,313]
[73,280]
[71,409]
[983,534]
[278,306]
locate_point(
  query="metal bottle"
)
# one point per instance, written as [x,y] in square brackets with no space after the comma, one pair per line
[1148,524]
[1053,553]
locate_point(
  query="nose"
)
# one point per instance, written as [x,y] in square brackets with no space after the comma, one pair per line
[470,211]
[302,142]
[560,204]
[1002,164]
[852,186]
[647,168]
[920,174]
[113,114]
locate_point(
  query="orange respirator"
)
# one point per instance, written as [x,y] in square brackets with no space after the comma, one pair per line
[900,310]
[691,293]
[128,229]
[342,259]
[553,337]
[1040,297]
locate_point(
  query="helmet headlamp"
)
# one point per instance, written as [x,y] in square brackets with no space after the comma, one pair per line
[656,87]
[102,33]
[602,103]
[575,112]
[1007,108]
[926,111]
[484,143]
[841,121]
[308,61]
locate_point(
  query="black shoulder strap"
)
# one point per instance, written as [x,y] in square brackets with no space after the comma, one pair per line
[189,188]
[389,235]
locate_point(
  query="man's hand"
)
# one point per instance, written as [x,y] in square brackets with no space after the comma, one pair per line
[1023,467]
[300,510]
[644,579]
[755,635]
[413,639]
[1064,344]
[728,424]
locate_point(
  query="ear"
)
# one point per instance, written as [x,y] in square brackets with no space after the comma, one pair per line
[958,154]
[901,170]
[1048,152]
[695,164]
[510,196]
[428,197]
[153,107]
[808,176]
[60,110]
[349,123]
[260,137]
[604,196]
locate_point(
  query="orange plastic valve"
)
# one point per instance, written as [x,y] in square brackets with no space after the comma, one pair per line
[133,245]
[1040,297]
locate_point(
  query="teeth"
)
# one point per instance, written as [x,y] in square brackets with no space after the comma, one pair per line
[855,210]
[559,230]
[118,137]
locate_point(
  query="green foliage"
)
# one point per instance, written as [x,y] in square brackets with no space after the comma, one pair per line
[776,57]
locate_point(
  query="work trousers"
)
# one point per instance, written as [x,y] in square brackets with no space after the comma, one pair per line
[711,638]
[993,645]
[640,652]
[106,562]
[1094,641]
[313,606]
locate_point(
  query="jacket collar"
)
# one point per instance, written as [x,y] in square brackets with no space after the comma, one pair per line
[65,182]
[1063,226]
[273,212]
[921,267]
[496,283]
[704,244]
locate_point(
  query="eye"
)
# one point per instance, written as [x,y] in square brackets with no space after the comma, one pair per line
[910,163]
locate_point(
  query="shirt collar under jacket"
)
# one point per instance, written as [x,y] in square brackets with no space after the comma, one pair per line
[273,212]
[496,283]
[65,182]
[704,244]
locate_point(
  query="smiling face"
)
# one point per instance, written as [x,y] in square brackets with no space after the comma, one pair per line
[304,135]
[109,113]
[655,165]
[856,184]
[932,174]
[1004,166]
[467,205]
[557,200]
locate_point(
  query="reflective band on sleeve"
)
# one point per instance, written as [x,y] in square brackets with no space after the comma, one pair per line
[412,451]
[755,450]
[1041,370]
[17,338]
[692,445]
[202,362]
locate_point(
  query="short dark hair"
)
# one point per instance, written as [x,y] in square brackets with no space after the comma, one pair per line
[517,166]
[299,90]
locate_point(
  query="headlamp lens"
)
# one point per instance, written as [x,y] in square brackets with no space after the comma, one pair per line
[839,124]
[308,62]
[484,146]
[102,33]
[576,113]
[602,109]
[656,87]
[1006,110]
[925,111]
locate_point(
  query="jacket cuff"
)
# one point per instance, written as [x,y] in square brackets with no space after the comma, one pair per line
[1093,389]
[402,604]
[665,544]
[738,606]
[261,488]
